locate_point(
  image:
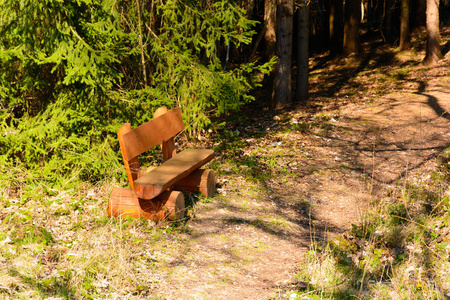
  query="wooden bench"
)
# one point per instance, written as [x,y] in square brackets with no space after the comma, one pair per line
[157,194]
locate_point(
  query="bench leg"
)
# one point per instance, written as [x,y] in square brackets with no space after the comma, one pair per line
[201,180]
[123,202]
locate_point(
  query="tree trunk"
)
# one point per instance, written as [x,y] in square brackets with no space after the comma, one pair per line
[282,90]
[270,10]
[404,26]
[433,54]
[336,15]
[351,26]
[387,26]
[301,92]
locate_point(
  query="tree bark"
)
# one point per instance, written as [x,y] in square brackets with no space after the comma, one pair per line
[270,10]
[268,31]
[433,52]
[336,28]
[282,89]
[352,17]
[301,92]
[404,26]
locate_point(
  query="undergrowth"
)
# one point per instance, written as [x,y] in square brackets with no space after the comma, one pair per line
[399,250]
[72,73]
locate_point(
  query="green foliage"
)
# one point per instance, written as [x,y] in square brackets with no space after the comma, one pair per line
[47,45]
[188,70]
[71,72]
[60,146]
[29,234]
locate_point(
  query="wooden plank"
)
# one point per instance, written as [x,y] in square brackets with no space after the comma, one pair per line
[132,166]
[170,172]
[152,133]
[168,148]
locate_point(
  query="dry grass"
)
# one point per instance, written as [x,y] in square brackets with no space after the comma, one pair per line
[66,246]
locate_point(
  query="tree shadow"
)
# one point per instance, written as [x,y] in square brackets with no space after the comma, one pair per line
[330,89]
[372,160]
[433,103]
[347,74]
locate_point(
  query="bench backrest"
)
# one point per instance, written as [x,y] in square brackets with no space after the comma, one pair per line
[134,142]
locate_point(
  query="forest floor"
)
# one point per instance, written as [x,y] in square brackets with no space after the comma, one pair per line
[285,179]
[310,173]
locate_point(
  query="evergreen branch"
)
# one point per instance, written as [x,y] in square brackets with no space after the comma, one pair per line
[168,49]
[83,42]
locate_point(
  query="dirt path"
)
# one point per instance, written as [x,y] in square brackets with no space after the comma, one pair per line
[380,144]
[247,242]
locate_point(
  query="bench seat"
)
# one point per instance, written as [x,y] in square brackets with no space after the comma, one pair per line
[171,171]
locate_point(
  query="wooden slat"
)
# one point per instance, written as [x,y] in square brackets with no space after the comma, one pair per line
[170,172]
[132,166]
[168,148]
[152,133]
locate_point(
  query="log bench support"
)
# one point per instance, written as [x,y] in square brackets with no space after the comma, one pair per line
[123,202]
[157,195]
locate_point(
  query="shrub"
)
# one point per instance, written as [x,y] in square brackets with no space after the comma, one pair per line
[72,72]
